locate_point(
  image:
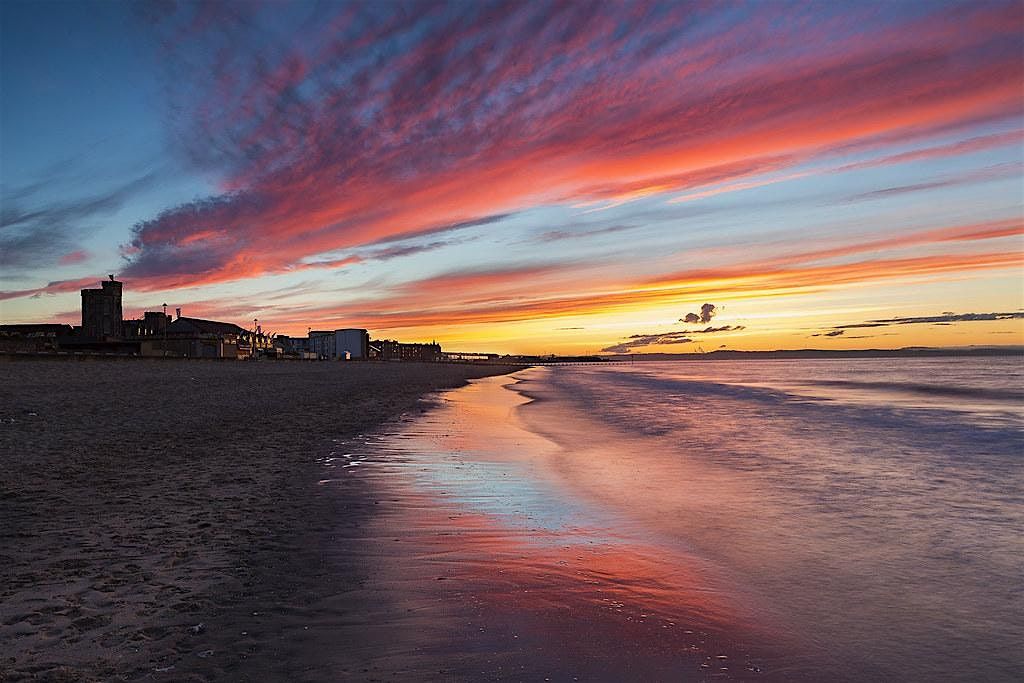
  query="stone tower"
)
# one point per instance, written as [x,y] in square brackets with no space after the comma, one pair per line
[101,311]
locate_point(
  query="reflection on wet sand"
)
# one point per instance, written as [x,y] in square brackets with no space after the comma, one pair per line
[685,522]
[482,565]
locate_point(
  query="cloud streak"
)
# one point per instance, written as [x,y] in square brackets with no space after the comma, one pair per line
[666,338]
[999,172]
[421,118]
[944,319]
[514,294]
[638,341]
[35,234]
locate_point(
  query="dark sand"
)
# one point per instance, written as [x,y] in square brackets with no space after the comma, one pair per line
[164,521]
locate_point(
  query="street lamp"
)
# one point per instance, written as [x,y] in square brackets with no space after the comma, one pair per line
[164,350]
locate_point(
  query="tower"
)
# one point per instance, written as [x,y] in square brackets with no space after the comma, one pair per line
[101,311]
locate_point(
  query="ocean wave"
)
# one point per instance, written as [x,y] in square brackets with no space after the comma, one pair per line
[985,393]
[650,403]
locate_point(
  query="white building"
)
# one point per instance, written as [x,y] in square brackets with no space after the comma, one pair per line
[351,344]
[347,344]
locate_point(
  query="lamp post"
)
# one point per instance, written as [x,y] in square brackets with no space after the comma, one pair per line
[164,349]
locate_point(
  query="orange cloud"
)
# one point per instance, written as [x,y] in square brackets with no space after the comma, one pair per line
[526,298]
[427,138]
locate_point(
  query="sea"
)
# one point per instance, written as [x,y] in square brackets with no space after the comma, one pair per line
[757,519]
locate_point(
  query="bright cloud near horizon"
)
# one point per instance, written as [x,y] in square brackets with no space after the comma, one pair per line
[529,177]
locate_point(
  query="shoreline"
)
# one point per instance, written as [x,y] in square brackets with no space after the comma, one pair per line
[839,524]
[486,567]
[165,522]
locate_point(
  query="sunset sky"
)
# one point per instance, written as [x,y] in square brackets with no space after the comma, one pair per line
[523,177]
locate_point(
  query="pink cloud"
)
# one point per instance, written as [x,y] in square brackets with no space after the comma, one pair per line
[512,294]
[528,104]
[73,257]
[388,125]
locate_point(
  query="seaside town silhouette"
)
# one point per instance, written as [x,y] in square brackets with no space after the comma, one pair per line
[156,334]
[104,330]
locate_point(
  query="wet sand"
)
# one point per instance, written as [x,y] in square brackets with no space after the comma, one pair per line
[482,565]
[169,520]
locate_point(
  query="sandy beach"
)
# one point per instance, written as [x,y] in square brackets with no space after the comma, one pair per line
[165,520]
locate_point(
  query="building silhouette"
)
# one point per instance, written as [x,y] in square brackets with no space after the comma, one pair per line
[105,331]
[101,312]
[152,324]
[322,343]
[198,338]
[33,338]
[389,349]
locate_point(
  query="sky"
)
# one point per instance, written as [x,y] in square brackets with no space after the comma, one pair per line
[523,177]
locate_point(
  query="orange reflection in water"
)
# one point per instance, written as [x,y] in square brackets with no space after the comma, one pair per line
[536,604]
[496,574]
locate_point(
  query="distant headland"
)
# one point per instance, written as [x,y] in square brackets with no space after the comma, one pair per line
[906,352]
